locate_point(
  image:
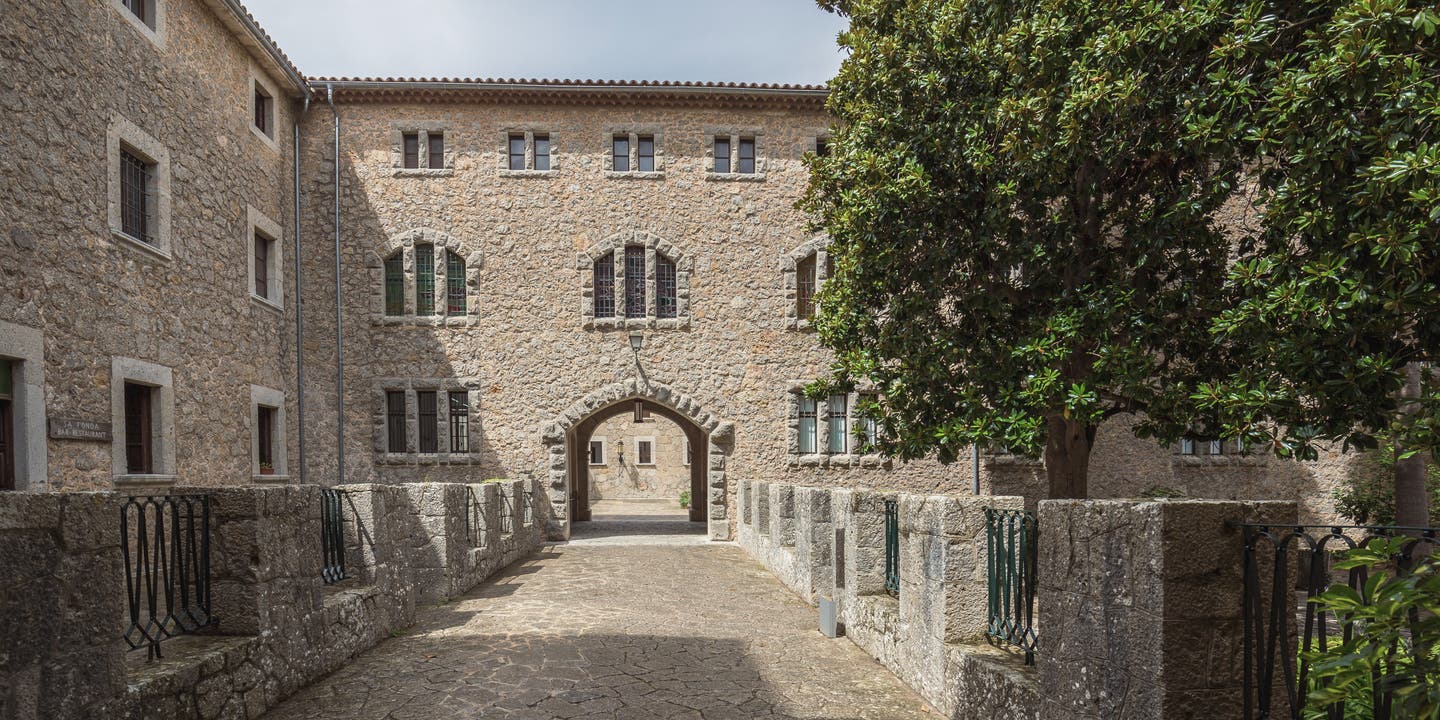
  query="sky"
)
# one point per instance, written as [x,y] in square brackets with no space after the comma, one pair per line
[776,41]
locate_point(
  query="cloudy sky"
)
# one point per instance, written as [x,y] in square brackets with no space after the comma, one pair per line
[737,40]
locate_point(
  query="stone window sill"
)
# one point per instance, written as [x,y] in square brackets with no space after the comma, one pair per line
[267,303]
[735,177]
[842,460]
[145,481]
[154,251]
[801,324]
[268,141]
[272,478]
[429,459]
[422,172]
[424,321]
[635,174]
[529,173]
[679,323]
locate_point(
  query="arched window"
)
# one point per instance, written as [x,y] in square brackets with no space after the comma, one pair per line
[395,284]
[424,279]
[805,270]
[454,284]
[634,279]
[805,288]
[605,286]
[666,304]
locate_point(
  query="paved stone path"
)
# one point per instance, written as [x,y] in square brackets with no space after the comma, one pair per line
[662,625]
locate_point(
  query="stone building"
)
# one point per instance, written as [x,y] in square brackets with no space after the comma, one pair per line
[519,263]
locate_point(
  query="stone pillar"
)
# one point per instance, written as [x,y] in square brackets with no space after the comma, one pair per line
[1140,607]
[783,523]
[438,550]
[814,537]
[265,556]
[60,632]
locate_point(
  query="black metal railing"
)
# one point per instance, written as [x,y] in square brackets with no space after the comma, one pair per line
[166,549]
[474,518]
[1012,556]
[892,547]
[332,535]
[1281,624]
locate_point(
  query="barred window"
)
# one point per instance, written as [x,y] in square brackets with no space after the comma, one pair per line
[435,158]
[454,284]
[137,196]
[395,285]
[869,426]
[262,265]
[605,286]
[808,426]
[264,111]
[395,421]
[139,438]
[666,304]
[459,421]
[424,279]
[265,434]
[412,150]
[805,288]
[428,421]
[634,281]
[839,425]
[620,153]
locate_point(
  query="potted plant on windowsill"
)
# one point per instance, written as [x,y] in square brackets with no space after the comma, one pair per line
[685,499]
[267,469]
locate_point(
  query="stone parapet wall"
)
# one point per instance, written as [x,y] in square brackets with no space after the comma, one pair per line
[280,627]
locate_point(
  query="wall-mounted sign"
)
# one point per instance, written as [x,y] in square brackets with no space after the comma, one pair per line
[76,429]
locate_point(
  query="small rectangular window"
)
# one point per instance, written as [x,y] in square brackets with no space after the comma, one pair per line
[746,154]
[395,422]
[424,279]
[436,156]
[822,147]
[139,440]
[839,425]
[517,151]
[620,153]
[459,421]
[265,438]
[597,452]
[412,150]
[142,9]
[7,427]
[644,452]
[647,153]
[542,152]
[722,155]
[262,266]
[137,198]
[264,109]
[807,425]
[428,421]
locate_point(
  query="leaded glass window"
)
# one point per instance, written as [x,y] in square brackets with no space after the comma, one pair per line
[666,304]
[634,281]
[424,279]
[805,288]
[454,284]
[395,285]
[605,286]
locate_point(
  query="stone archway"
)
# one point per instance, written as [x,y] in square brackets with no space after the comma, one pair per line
[561,449]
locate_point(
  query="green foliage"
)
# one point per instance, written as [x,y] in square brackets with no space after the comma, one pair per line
[684,498]
[1020,197]
[1367,495]
[1160,492]
[1394,643]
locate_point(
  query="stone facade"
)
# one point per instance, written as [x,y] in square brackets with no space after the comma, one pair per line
[622,472]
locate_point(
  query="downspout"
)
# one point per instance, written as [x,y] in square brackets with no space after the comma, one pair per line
[339,330]
[975,468]
[299,299]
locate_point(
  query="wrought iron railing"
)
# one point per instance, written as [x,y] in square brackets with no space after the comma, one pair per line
[166,549]
[474,518]
[332,535]
[1011,541]
[892,547]
[1277,677]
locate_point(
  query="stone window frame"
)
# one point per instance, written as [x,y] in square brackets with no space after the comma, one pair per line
[122,132]
[1232,453]
[735,134]
[397,150]
[256,221]
[812,142]
[604,451]
[653,244]
[405,243]
[24,348]
[441,387]
[529,131]
[258,79]
[653,459]
[822,458]
[156,34]
[633,132]
[162,423]
[275,399]
[819,246]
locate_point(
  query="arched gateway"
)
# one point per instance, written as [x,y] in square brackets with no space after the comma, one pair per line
[566,443]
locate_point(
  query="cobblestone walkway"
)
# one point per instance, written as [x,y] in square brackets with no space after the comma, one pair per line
[615,626]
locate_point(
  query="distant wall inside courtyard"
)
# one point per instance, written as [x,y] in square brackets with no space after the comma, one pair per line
[621,474]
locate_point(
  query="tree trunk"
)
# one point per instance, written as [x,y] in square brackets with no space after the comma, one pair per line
[1412,500]
[1067,456]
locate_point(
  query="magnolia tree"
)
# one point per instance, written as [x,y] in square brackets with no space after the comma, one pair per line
[1021,200]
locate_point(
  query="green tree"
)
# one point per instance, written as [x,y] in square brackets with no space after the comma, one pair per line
[1020,196]
[1335,297]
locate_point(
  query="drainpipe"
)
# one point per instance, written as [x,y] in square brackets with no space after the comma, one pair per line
[339,304]
[299,299]
[975,468]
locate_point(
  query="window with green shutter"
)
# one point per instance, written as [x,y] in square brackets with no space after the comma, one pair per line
[395,285]
[424,279]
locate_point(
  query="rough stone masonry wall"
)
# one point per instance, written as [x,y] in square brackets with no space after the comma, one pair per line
[665,478]
[280,627]
[72,67]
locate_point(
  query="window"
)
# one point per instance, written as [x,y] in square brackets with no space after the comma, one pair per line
[267,434]
[395,285]
[644,451]
[722,155]
[424,279]
[666,305]
[597,451]
[746,154]
[265,427]
[137,196]
[808,426]
[542,152]
[143,10]
[646,153]
[395,422]
[7,427]
[620,153]
[435,157]
[459,421]
[634,281]
[605,286]
[869,431]
[527,151]
[262,265]
[805,288]
[428,418]
[822,147]
[1192,446]
[687,452]
[264,106]
[517,151]
[412,150]
[139,438]
[24,461]
[454,284]
[839,425]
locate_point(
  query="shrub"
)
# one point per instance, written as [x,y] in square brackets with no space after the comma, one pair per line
[684,498]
